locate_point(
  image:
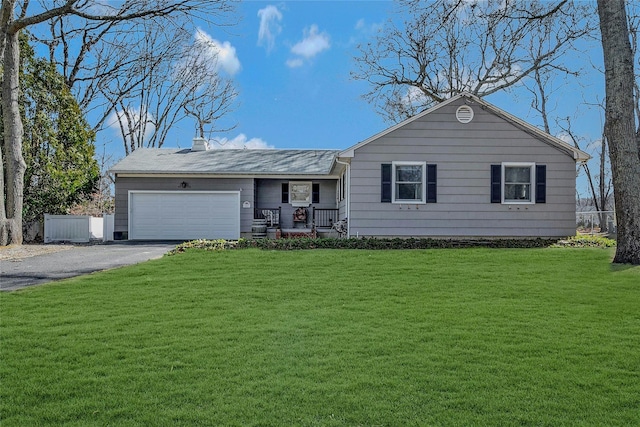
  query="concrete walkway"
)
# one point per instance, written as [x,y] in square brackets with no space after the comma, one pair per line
[78,260]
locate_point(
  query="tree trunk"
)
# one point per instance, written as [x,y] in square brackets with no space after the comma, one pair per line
[602,188]
[4,233]
[13,132]
[620,127]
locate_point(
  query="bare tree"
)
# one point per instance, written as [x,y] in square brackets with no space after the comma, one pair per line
[600,185]
[542,86]
[140,76]
[177,78]
[208,108]
[544,83]
[15,16]
[101,201]
[620,127]
[448,47]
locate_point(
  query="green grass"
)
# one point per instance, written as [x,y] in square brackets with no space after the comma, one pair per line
[329,338]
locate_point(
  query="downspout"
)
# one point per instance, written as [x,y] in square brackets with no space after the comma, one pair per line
[347,201]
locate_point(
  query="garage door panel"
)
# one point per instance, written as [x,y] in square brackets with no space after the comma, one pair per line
[184,215]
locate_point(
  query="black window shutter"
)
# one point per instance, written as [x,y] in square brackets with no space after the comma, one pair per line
[385,193]
[541,183]
[496,183]
[432,188]
[315,193]
[285,192]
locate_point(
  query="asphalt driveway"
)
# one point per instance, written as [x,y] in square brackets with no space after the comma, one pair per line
[76,261]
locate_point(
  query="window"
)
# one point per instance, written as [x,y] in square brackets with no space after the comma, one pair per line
[341,187]
[300,193]
[518,183]
[408,182]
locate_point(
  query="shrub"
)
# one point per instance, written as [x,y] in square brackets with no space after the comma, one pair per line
[207,245]
[586,241]
[359,243]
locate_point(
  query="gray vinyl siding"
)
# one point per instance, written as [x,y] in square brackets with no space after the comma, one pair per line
[124,185]
[269,195]
[463,154]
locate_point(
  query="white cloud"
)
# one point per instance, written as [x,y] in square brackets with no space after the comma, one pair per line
[270,18]
[501,76]
[101,8]
[414,96]
[364,31]
[223,53]
[588,146]
[593,146]
[565,137]
[239,141]
[134,121]
[312,44]
[295,63]
[367,29]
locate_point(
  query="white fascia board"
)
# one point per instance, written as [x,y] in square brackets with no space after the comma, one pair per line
[576,153]
[220,176]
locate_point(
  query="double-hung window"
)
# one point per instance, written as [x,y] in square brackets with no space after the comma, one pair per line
[409,182]
[518,183]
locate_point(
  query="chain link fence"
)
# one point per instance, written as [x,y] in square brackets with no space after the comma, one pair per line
[596,222]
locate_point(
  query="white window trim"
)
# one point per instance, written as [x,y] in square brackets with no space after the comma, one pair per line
[301,202]
[424,183]
[532,183]
[340,187]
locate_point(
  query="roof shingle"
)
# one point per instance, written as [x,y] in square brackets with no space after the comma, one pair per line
[228,162]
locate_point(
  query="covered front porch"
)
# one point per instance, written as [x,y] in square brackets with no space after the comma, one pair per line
[296,208]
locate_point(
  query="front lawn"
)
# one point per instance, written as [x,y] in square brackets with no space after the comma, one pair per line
[329,337]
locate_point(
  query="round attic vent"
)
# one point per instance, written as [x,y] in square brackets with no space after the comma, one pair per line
[464,114]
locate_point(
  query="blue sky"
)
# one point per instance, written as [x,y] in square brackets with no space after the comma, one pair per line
[290,61]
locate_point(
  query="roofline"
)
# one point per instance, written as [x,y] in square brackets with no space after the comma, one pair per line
[576,153]
[152,174]
[157,173]
[349,152]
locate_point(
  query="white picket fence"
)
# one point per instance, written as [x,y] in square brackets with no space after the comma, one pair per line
[77,228]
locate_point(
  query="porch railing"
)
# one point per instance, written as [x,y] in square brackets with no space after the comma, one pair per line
[272,215]
[325,218]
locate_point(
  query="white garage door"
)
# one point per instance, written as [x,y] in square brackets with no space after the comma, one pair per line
[156,215]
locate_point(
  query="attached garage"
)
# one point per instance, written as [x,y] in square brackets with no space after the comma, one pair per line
[184,215]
